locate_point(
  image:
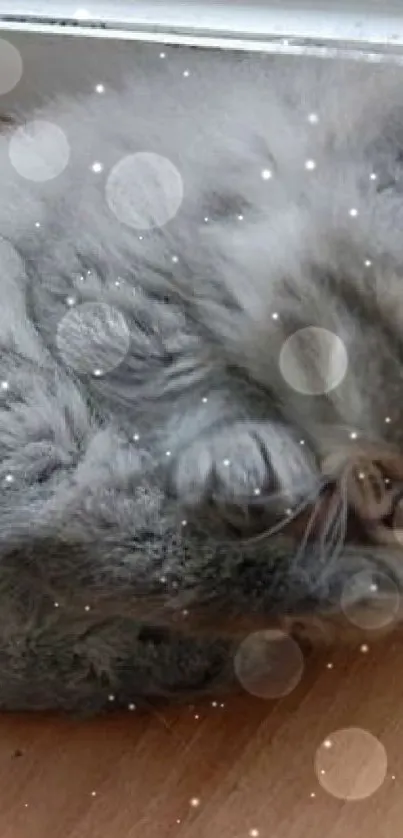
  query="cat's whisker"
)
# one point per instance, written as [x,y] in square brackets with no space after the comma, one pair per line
[288,518]
[308,531]
[334,531]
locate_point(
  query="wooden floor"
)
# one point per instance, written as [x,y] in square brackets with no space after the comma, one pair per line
[253,768]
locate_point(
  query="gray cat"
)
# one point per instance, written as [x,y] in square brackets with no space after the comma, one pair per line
[163,418]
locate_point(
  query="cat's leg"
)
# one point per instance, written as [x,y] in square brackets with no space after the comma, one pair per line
[235,588]
[244,460]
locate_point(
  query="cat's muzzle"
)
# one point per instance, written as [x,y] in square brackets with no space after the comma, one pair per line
[368,479]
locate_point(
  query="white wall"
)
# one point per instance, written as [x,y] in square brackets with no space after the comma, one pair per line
[372,21]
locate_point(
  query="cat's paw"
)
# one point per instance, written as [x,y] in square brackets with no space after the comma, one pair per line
[244,461]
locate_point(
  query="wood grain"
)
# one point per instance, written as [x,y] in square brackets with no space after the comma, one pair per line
[249,765]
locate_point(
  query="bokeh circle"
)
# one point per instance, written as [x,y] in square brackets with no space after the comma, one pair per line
[144,190]
[313,361]
[269,664]
[351,764]
[370,600]
[39,150]
[11,66]
[93,338]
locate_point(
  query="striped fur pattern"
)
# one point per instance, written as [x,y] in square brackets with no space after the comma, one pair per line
[142,510]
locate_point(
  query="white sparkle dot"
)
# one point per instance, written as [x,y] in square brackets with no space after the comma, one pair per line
[184,523]
[197,717]
[256,491]
[178,820]
[56,604]
[266,174]
[186,73]
[353,435]
[4,385]
[387,419]
[364,648]
[175,259]
[136,437]
[204,399]
[97,166]
[206,220]
[141,238]
[353,212]
[288,511]
[327,743]
[373,587]
[214,704]
[117,283]
[37,224]
[387,481]
[313,118]
[373,176]
[131,706]
[254,833]
[195,802]
[163,579]
[27,804]
[93,794]
[393,777]
[71,301]
[9,478]
[310,165]
[329,666]
[361,475]
[322,771]
[111,698]
[87,608]
[313,794]
[240,217]
[162,54]
[185,613]
[97,372]
[167,453]
[368,263]
[226,463]
[274,315]
[99,88]
[222,705]
[302,442]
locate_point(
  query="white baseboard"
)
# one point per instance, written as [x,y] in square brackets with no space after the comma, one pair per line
[374,25]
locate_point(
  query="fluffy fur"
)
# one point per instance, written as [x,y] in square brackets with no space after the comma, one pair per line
[103,589]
